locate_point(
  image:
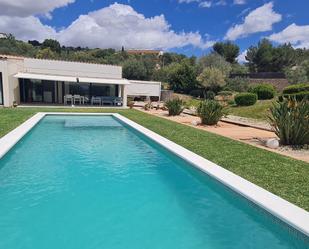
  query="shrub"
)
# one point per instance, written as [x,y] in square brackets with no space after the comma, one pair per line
[231,102]
[296,75]
[245,99]
[211,78]
[298,91]
[210,112]
[290,119]
[296,88]
[237,84]
[210,95]
[198,93]
[225,93]
[263,91]
[174,106]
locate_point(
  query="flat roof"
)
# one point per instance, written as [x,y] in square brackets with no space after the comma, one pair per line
[53,77]
[4,56]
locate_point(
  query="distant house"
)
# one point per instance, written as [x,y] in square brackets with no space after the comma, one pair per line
[3,35]
[37,81]
[145,52]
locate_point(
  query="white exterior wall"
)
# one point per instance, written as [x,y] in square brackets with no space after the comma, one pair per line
[68,68]
[3,70]
[144,88]
[9,68]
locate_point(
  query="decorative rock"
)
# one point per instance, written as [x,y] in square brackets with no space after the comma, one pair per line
[272,143]
[195,122]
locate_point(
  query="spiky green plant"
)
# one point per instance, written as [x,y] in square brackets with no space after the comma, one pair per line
[210,112]
[174,106]
[290,120]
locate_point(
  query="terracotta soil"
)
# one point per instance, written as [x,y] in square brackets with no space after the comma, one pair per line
[249,135]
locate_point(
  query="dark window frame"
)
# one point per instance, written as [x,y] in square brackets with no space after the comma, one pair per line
[1,89]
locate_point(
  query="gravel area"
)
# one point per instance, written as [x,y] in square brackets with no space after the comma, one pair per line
[246,130]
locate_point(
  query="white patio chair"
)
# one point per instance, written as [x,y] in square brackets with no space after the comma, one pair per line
[68,98]
[76,98]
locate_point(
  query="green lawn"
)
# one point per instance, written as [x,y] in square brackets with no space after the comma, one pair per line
[281,175]
[258,111]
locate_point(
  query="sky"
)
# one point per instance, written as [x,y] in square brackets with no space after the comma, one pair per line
[184,26]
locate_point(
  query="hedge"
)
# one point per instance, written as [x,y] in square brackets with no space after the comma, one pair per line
[297,88]
[298,96]
[298,91]
[245,99]
[263,91]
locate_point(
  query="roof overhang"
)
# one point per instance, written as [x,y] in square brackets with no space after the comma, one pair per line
[45,77]
[106,81]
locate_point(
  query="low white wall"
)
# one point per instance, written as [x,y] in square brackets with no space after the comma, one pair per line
[144,88]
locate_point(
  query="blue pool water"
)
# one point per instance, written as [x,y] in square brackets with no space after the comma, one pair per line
[78,182]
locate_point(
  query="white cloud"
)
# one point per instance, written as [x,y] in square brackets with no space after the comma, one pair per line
[24,8]
[205,4]
[188,1]
[298,36]
[239,2]
[221,3]
[242,57]
[258,20]
[111,27]
[120,25]
[26,28]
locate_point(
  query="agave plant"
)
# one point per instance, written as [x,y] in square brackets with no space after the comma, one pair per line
[210,112]
[290,120]
[174,106]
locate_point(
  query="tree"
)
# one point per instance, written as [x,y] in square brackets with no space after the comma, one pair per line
[211,79]
[134,70]
[169,58]
[283,56]
[305,66]
[228,50]
[260,58]
[239,69]
[266,58]
[54,45]
[298,74]
[46,53]
[181,76]
[34,43]
[216,61]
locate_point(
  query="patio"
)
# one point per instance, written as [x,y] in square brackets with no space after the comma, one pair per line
[55,92]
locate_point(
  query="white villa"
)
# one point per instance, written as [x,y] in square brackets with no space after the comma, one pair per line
[53,82]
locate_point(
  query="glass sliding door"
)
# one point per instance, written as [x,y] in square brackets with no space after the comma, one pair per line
[1,90]
[48,91]
[37,91]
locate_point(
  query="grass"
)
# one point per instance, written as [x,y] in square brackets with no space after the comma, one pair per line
[280,175]
[258,111]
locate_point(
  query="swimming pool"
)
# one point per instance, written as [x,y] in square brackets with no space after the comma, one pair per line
[94,182]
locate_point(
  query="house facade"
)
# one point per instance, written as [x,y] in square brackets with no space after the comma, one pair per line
[40,81]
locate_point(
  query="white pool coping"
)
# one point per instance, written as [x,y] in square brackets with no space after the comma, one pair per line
[280,208]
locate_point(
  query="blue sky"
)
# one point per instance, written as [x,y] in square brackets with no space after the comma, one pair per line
[185,26]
